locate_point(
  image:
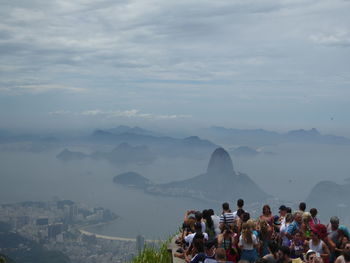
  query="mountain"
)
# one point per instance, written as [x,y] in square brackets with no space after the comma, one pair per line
[192,147]
[219,183]
[330,198]
[132,179]
[122,154]
[259,137]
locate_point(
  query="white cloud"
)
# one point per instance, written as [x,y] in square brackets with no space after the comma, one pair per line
[338,38]
[37,89]
[133,113]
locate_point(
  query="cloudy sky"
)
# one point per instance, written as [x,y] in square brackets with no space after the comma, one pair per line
[175,63]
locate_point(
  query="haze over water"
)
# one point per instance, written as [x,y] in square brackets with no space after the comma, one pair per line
[289,175]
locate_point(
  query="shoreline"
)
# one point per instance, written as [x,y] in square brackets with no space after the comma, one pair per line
[126,239]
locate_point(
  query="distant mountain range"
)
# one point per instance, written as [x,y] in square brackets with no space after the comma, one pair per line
[192,146]
[162,145]
[260,137]
[219,183]
[122,154]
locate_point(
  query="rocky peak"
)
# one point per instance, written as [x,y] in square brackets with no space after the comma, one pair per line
[220,163]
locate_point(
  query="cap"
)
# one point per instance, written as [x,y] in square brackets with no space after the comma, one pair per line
[283,208]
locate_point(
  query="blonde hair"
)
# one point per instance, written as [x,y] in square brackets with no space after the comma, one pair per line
[247,233]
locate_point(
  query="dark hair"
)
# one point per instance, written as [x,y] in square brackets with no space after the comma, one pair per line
[198,227]
[313,212]
[207,217]
[240,212]
[266,207]
[261,260]
[245,216]
[211,212]
[273,246]
[346,255]
[285,250]
[309,254]
[302,206]
[289,210]
[240,203]
[198,215]
[198,244]
[225,206]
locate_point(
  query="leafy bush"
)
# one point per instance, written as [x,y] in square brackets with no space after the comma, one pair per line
[151,254]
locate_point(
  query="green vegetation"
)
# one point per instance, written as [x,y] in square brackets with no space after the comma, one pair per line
[151,254]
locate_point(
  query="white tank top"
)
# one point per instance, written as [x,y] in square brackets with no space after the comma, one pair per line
[317,248]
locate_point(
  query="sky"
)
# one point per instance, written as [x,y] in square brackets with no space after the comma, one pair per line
[277,65]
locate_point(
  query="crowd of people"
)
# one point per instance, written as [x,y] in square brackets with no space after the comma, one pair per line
[289,237]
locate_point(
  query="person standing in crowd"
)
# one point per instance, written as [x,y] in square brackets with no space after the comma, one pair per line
[248,244]
[295,225]
[314,219]
[226,217]
[302,207]
[267,215]
[333,237]
[319,232]
[240,204]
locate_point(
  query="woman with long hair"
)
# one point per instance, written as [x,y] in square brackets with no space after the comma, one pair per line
[248,243]
[267,215]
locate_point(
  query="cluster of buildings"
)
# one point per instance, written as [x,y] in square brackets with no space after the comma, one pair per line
[56,225]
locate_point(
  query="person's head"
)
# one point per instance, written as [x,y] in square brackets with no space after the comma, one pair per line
[247,233]
[240,203]
[273,247]
[198,227]
[298,217]
[320,230]
[284,253]
[306,217]
[343,231]
[313,212]
[210,247]
[266,210]
[220,255]
[289,218]
[315,235]
[347,246]
[211,212]
[283,210]
[245,216]
[225,206]
[289,210]
[334,220]
[240,212]
[310,255]
[198,215]
[302,206]
[297,236]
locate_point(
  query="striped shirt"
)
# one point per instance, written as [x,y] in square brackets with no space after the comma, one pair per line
[227,218]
